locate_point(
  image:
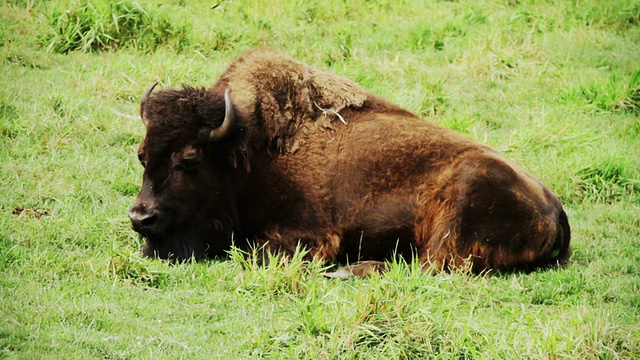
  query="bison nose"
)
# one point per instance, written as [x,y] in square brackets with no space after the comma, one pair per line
[143,219]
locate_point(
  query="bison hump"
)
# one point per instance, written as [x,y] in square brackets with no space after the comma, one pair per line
[280,95]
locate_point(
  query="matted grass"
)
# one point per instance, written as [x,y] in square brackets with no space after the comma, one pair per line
[553,84]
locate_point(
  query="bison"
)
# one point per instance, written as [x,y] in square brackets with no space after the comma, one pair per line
[278,155]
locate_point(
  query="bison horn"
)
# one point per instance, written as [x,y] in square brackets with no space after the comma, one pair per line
[221,131]
[145,97]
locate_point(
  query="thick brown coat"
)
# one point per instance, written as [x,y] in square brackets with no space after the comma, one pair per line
[314,159]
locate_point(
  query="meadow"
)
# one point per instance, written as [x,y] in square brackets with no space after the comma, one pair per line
[554,85]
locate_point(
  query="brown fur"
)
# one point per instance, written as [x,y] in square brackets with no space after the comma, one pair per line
[329,165]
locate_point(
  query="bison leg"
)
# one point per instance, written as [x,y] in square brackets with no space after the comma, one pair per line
[320,244]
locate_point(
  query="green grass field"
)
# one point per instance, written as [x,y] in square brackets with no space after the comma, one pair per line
[555,85]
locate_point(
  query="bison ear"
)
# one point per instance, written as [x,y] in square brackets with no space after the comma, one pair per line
[222,131]
[145,98]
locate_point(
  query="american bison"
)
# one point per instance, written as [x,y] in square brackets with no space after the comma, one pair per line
[278,155]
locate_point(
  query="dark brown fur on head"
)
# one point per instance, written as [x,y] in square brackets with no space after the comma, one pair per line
[176,146]
[175,117]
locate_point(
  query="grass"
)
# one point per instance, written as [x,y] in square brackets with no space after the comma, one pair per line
[553,85]
[111,25]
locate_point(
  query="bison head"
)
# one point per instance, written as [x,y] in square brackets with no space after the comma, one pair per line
[186,206]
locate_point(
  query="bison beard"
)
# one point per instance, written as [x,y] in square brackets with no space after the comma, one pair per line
[277,154]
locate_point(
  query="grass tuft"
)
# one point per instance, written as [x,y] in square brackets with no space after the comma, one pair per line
[608,181]
[611,96]
[632,100]
[279,274]
[135,270]
[110,25]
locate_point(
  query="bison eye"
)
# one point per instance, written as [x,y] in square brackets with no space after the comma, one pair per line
[141,159]
[190,164]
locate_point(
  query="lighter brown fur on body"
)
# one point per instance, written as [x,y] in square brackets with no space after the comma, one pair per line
[379,151]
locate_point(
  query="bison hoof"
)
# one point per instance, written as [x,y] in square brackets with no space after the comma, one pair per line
[360,269]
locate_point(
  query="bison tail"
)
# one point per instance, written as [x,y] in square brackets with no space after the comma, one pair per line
[561,249]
